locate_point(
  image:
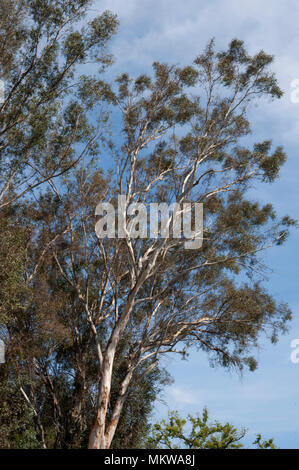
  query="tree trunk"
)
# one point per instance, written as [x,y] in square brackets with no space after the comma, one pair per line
[98,438]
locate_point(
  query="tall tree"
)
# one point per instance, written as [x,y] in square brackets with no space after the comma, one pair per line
[165,296]
[88,302]
[180,142]
[44,131]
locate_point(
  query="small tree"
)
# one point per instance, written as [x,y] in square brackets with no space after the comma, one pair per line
[201,434]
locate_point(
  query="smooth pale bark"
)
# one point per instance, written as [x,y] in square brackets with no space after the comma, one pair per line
[111,428]
[99,438]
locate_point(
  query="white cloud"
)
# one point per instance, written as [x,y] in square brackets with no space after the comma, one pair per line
[185,397]
[178,29]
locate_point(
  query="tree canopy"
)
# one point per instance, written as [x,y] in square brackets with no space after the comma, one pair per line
[87,319]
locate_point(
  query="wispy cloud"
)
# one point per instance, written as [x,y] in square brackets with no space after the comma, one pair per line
[185,397]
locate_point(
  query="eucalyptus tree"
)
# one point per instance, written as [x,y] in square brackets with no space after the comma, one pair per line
[94,315]
[179,138]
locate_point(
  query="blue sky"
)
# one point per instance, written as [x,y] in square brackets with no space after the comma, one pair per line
[267,400]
